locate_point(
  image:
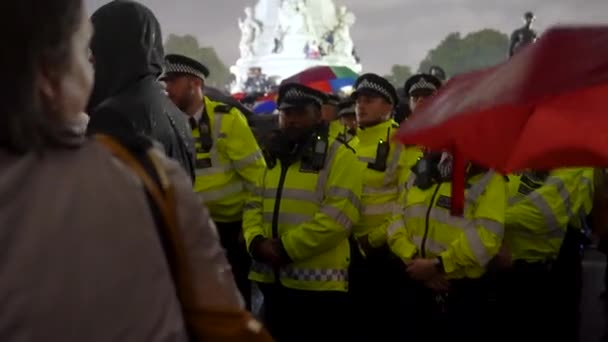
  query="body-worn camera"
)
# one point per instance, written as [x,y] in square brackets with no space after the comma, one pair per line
[382,151]
[426,171]
[314,159]
[205,137]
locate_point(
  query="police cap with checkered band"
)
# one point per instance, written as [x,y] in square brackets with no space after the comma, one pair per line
[374,85]
[421,83]
[332,100]
[298,95]
[346,107]
[182,65]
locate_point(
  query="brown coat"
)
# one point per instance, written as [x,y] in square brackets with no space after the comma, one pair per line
[81,260]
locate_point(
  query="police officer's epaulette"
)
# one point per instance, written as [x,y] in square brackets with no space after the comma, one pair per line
[223,108]
[342,140]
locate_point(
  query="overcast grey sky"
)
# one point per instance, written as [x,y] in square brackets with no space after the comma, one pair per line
[387,32]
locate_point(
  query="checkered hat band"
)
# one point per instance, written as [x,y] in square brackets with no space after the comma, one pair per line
[346,111]
[183,69]
[365,84]
[298,95]
[423,84]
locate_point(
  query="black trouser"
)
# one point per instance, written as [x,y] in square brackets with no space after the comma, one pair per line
[606,276]
[528,302]
[568,278]
[460,314]
[540,300]
[603,247]
[232,241]
[378,288]
[295,315]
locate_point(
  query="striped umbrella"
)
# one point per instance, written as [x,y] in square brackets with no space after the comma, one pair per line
[330,79]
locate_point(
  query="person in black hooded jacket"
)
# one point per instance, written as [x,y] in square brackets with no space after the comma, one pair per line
[127,99]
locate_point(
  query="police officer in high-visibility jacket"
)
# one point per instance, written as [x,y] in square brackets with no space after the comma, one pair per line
[447,255]
[374,280]
[347,116]
[539,283]
[420,87]
[329,114]
[298,222]
[228,159]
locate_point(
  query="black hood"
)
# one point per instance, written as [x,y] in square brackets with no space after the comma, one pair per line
[127,46]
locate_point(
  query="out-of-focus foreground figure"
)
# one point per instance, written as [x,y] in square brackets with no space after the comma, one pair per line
[81,258]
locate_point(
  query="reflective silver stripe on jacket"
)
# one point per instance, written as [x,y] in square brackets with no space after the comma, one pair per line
[321,192]
[588,184]
[216,165]
[221,193]
[379,209]
[324,173]
[287,218]
[388,190]
[468,226]
[430,245]
[292,194]
[303,274]
[295,219]
[390,175]
[317,196]
[367,159]
[248,160]
[410,181]
[394,227]
[554,230]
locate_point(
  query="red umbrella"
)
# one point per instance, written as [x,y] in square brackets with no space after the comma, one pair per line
[544,108]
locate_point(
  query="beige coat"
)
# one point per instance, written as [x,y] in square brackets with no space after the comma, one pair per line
[80,258]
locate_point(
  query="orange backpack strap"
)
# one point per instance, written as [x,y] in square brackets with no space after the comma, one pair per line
[204,324]
[160,196]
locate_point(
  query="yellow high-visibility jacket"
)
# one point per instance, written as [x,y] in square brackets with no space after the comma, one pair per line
[540,211]
[337,129]
[312,213]
[381,188]
[465,244]
[226,174]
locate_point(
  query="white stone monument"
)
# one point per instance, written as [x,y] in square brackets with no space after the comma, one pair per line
[284,37]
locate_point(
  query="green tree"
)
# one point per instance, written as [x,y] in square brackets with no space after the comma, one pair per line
[456,54]
[399,74]
[188,45]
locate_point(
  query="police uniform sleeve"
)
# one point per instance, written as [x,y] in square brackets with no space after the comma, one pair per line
[340,209]
[243,150]
[252,214]
[586,191]
[407,159]
[481,239]
[399,241]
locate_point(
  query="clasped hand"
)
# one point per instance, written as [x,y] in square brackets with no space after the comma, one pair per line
[268,251]
[427,272]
